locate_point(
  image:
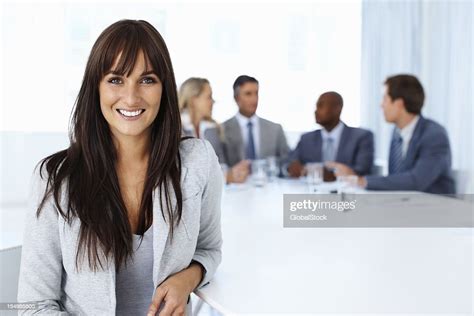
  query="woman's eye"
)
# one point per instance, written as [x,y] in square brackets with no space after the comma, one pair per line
[148,80]
[115,80]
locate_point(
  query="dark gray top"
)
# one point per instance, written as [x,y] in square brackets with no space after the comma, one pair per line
[134,282]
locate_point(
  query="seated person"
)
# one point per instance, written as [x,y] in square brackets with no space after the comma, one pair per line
[195,103]
[420,155]
[247,136]
[336,141]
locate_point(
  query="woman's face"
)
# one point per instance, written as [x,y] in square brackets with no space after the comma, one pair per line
[130,104]
[203,102]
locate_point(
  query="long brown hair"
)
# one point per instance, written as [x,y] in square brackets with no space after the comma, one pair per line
[88,165]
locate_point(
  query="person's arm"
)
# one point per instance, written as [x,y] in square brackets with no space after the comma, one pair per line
[213,137]
[239,172]
[208,250]
[41,256]
[175,290]
[293,167]
[432,161]
[365,155]
[283,148]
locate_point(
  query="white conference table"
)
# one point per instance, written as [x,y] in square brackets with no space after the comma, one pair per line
[269,269]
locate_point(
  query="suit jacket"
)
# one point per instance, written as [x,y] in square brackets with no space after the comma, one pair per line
[427,163]
[48,276]
[272,141]
[212,135]
[356,149]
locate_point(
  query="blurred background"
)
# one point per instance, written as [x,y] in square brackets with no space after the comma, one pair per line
[297,50]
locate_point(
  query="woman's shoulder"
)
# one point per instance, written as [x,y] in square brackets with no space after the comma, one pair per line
[196,153]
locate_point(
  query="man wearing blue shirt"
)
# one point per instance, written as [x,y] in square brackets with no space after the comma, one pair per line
[336,141]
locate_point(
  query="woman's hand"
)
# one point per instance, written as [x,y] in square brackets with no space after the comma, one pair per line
[173,293]
[239,172]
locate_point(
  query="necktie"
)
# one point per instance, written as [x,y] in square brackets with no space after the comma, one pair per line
[328,152]
[250,149]
[396,156]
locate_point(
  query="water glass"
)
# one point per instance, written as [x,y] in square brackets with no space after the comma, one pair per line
[272,168]
[314,175]
[259,172]
[347,184]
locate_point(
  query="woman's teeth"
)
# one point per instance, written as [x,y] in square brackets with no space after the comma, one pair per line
[131,113]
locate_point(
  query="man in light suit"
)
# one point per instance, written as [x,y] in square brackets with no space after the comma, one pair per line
[336,141]
[247,136]
[420,154]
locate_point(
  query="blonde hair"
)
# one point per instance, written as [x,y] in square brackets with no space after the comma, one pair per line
[189,89]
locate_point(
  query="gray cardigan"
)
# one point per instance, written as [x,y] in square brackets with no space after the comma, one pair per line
[48,276]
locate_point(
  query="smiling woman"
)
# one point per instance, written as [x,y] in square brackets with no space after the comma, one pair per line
[135,97]
[129,206]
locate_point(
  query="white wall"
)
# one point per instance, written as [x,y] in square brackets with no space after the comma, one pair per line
[296,51]
[432,40]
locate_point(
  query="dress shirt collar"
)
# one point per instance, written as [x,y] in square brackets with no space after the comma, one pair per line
[407,132]
[335,133]
[243,120]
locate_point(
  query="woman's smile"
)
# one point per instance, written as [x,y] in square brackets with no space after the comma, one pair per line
[130,115]
[130,103]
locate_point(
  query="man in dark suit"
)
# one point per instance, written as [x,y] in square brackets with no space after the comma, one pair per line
[338,142]
[420,154]
[247,136]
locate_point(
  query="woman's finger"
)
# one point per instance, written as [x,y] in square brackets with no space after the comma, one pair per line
[169,308]
[180,311]
[156,302]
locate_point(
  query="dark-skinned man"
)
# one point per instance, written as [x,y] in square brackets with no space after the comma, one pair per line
[335,142]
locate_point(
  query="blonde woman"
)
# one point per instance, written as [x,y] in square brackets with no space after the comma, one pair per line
[195,103]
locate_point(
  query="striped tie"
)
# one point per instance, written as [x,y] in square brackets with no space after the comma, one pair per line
[396,155]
